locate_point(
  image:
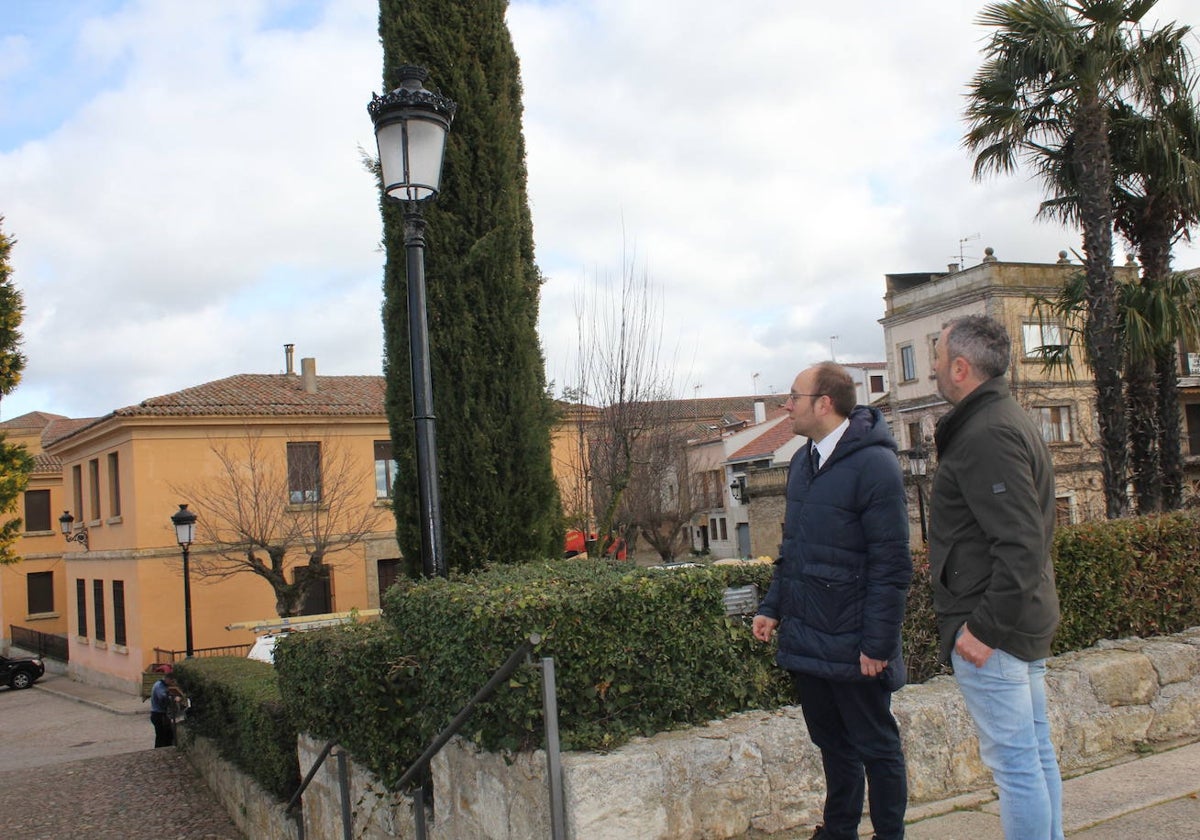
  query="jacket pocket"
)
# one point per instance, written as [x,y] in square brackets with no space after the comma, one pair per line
[832,599]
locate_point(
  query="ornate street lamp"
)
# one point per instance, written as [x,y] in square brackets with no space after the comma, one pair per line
[411,124]
[185,531]
[918,465]
[65,521]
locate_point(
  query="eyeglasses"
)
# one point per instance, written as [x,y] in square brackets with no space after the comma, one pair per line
[793,396]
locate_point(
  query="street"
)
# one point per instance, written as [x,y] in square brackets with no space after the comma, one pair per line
[41,729]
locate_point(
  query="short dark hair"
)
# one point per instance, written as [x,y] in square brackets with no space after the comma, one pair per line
[982,341]
[832,380]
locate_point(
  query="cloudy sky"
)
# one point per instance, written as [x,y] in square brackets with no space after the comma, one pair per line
[184,181]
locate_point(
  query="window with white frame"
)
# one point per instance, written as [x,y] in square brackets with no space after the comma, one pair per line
[1055,423]
[908,363]
[1041,338]
[385,469]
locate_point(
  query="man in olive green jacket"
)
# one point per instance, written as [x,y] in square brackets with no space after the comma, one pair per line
[993,581]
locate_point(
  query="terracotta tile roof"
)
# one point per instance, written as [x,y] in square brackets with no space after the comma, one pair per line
[43,463]
[767,443]
[277,395]
[64,427]
[32,420]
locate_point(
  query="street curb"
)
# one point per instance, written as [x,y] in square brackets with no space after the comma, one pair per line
[87,702]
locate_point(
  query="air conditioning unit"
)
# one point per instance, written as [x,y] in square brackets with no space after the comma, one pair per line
[1194,364]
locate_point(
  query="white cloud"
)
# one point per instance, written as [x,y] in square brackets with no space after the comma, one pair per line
[187,195]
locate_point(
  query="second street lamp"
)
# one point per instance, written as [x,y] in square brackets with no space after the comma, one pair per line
[185,532]
[411,124]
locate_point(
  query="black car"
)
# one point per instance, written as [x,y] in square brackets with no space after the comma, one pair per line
[20,671]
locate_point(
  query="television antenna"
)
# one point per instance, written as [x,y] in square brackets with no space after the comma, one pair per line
[962,263]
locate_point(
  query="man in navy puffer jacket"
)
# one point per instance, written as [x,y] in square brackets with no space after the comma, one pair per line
[837,598]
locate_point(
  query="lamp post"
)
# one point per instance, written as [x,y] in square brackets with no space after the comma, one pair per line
[411,124]
[918,465]
[185,531]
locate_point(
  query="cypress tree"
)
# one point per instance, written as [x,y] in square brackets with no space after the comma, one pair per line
[15,462]
[494,416]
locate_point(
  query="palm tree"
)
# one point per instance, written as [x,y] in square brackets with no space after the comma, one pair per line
[1157,201]
[1052,74]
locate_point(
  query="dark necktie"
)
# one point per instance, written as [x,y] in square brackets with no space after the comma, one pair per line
[815,457]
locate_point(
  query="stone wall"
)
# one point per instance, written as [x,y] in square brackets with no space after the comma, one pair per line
[758,770]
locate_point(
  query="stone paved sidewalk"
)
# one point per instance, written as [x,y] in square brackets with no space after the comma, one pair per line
[148,795]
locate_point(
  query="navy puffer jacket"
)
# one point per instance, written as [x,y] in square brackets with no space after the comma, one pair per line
[842,578]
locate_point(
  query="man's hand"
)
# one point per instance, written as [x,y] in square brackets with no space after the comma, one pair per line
[871,667]
[763,627]
[971,649]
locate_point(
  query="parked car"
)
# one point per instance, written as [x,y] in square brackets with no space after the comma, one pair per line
[20,671]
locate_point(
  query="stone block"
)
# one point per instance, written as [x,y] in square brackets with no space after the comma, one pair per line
[1119,677]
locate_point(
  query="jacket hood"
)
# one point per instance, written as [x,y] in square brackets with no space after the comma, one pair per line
[867,428]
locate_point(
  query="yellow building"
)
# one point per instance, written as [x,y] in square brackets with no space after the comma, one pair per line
[310,456]
[33,597]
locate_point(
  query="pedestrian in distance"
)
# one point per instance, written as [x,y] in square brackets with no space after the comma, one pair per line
[163,697]
[837,598]
[992,522]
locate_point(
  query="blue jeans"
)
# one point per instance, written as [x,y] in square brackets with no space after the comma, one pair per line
[1007,700]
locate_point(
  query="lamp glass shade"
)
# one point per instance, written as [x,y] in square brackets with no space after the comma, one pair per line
[185,525]
[411,148]
[65,521]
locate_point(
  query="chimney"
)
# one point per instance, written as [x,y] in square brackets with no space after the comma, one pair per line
[308,375]
[760,411]
[288,353]
[953,268]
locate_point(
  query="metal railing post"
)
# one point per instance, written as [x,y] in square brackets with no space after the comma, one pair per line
[344,790]
[558,814]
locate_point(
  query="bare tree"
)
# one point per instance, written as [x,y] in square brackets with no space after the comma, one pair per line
[620,372]
[270,514]
[659,500]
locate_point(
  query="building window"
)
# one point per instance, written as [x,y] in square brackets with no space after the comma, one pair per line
[77,491]
[318,600]
[724,529]
[385,469]
[1041,339]
[98,608]
[304,473]
[914,435]
[876,383]
[118,612]
[37,510]
[39,589]
[389,571]
[908,363]
[94,487]
[114,486]
[1192,416]
[1063,510]
[1055,422]
[81,608]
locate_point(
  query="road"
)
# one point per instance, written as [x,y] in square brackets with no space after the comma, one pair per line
[71,770]
[40,729]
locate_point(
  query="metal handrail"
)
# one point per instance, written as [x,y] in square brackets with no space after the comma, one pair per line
[489,688]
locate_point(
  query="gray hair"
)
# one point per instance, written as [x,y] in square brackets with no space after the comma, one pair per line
[982,341]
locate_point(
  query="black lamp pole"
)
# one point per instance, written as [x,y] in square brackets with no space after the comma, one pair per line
[411,124]
[184,521]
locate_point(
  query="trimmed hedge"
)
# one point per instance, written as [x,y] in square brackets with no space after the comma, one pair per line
[236,703]
[637,651]
[1128,577]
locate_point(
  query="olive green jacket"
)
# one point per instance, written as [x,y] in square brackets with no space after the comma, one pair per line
[991,526]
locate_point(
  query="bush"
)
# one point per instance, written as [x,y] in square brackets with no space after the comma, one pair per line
[1129,577]
[236,704]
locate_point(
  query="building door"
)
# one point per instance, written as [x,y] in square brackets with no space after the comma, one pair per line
[743,539]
